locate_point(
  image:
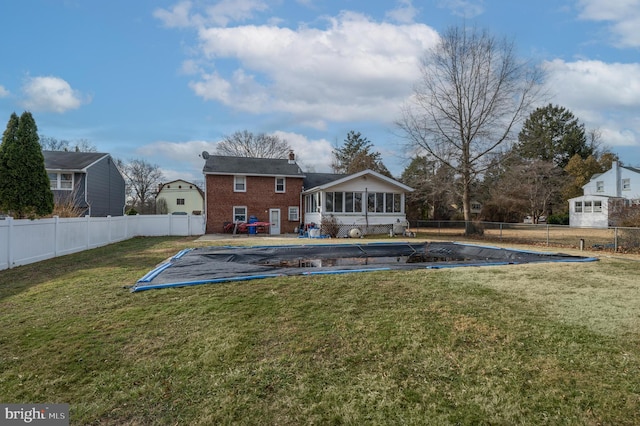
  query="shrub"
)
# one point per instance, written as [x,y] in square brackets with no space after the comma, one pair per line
[558,219]
[329,226]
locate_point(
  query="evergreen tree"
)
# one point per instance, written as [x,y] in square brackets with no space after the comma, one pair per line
[553,133]
[24,185]
[355,155]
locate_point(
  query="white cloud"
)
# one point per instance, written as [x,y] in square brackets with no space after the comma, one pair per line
[463,8]
[3,92]
[601,95]
[311,155]
[182,14]
[405,12]
[331,73]
[51,94]
[187,153]
[177,17]
[623,16]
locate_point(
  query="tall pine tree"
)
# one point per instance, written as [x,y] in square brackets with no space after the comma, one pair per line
[24,185]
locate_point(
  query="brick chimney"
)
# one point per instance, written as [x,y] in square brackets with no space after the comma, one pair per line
[292,157]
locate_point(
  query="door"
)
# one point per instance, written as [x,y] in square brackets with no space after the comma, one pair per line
[274,220]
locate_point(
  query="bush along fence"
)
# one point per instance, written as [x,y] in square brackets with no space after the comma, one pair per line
[617,239]
[24,241]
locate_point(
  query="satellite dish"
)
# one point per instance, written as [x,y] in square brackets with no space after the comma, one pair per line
[205,155]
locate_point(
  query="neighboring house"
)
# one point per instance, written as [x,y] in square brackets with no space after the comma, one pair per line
[279,192]
[239,188]
[363,200]
[180,196]
[91,179]
[617,186]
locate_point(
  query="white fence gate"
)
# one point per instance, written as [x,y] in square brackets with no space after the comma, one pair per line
[24,241]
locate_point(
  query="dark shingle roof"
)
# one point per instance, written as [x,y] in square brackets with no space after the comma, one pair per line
[62,160]
[220,164]
[312,180]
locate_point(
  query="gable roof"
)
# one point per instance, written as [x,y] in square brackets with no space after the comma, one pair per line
[72,161]
[312,180]
[165,185]
[322,182]
[225,165]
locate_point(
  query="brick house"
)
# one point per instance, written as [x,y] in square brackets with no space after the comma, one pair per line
[238,188]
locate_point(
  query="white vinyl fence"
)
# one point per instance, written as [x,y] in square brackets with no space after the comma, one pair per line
[24,241]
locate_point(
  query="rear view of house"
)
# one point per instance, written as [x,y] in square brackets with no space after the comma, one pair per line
[90,180]
[239,188]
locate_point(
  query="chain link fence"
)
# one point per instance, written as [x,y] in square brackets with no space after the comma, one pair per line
[612,239]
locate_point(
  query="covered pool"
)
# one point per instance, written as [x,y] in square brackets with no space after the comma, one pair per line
[211,265]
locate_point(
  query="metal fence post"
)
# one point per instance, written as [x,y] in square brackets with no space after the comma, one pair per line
[500,231]
[615,239]
[547,235]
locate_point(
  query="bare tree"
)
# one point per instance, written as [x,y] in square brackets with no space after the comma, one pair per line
[246,144]
[142,179]
[535,184]
[471,95]
[49,143]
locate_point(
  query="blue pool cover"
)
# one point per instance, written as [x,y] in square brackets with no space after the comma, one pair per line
[210,265]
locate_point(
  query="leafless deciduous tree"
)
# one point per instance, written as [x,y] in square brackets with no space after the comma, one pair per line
[472,94]
[142,179]
[246,144]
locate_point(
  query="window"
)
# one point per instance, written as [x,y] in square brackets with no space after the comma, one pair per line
[334,202]
[600,186]
[577,207]
[294,215]
[338,202]
[280,184]
[311,203]
[240,184]
[597,206]
[626,184]
[371,202]
[397,203]
[328,202]
[240,214]
[180,201]
[588,207]
[61,181]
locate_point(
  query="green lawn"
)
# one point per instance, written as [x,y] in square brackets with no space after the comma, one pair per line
[555,343]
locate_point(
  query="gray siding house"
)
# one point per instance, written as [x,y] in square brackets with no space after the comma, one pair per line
[90,178]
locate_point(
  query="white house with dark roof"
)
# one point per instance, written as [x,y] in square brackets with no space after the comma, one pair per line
[91,179]
[361,200]
[619,185]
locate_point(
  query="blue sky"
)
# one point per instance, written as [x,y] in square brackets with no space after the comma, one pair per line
[165,80]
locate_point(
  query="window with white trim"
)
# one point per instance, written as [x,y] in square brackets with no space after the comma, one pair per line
[280,185]
[239,213]
[239,184]
[600,186]
[577,207]
[180,201]
[597,206]
[588,207]
[294,214]
[626,184]
[61,181]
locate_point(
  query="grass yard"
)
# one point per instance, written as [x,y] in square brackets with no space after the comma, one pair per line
[534,344]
